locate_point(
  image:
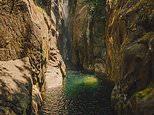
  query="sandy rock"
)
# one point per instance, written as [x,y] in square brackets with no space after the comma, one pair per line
[15,87]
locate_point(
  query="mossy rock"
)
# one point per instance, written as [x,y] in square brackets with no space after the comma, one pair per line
[145,94]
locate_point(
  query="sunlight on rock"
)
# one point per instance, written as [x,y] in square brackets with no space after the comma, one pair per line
[145,94]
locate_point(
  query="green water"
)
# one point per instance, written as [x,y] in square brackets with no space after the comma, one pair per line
[82,94]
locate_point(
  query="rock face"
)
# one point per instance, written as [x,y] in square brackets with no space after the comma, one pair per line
[28,29]
[130,51]
[15,87]
[88,33]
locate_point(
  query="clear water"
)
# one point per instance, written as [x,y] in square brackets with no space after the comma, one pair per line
[82,94]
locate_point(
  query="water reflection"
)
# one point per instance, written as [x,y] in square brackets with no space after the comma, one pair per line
[82,94]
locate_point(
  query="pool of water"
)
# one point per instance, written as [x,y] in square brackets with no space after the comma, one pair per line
[81,94]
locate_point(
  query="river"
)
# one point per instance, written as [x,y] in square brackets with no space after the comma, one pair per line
[81,94]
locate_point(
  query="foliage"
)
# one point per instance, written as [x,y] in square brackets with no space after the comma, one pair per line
[93,2]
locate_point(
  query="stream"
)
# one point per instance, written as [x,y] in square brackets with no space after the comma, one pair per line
[81,94]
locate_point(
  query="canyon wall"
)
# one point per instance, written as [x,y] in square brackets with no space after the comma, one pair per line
[116,40]
[28,42]
[130,55]
[87,32]
[121,45]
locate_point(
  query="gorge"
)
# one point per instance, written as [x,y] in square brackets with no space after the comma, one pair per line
[76,57]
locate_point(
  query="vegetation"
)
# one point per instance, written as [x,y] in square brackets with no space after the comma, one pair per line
[93,2]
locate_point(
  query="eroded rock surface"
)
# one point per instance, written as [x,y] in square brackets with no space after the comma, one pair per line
[15,87]
[28,29]
[129,41]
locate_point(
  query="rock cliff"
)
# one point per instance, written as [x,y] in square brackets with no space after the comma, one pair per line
[15,87]
[130,51]
[114,37]
[87,30]
[126,57]
[28,29]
